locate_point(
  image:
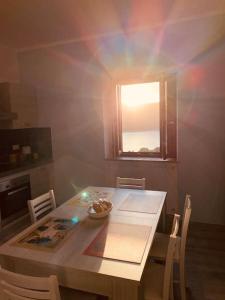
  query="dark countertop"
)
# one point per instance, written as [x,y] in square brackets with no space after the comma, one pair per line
[11,170]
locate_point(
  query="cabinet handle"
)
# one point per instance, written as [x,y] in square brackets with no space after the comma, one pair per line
[18,190]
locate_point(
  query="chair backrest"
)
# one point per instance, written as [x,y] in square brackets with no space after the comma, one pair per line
[170,257]
[41,205]
[15,286]
[130,183]
[185,224]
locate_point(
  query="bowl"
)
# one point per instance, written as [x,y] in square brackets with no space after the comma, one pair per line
[94,215]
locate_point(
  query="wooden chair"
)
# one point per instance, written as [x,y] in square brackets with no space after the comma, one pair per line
[160,244]
[130,183]
[15,286]
[158,278]
[41,205]
[20,287]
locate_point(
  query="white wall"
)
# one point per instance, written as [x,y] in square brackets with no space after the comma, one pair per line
[9,70]
[201,111]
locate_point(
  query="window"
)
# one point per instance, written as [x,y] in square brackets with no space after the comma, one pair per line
[143,120]
[140,118]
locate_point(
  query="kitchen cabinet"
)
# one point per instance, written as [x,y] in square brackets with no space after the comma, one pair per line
[19,103]
[24,148]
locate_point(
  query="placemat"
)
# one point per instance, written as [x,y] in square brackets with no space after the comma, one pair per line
[141,203]
[119,241]
[49,235]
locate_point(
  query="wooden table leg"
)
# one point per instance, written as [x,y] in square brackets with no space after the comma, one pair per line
[126,290]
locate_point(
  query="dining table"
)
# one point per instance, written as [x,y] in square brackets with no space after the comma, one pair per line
[104,256]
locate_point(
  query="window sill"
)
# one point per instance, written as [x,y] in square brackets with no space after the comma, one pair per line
[144,159]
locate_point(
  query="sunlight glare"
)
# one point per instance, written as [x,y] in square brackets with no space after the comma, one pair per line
[133,95]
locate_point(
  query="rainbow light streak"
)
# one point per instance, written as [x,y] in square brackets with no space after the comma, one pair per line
[84,66]
[88,24]
[140,35]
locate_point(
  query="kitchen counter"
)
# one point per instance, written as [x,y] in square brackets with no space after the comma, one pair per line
[8,170]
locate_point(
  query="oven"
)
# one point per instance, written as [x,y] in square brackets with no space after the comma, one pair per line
[14,194]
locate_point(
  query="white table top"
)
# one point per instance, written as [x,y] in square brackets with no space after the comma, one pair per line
[70,256]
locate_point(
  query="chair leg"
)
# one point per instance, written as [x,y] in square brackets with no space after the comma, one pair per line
[171,295]
[164,218]
[182,280]
[171,286]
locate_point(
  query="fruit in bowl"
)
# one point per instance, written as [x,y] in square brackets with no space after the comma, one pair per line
[100,209]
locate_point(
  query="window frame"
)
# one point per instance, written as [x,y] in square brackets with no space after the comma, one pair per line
[168,121]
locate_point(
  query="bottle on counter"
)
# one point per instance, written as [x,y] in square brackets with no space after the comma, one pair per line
[14,156]
[26,153]
[35,156]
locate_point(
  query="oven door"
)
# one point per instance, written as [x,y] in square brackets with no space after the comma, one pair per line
[13,203]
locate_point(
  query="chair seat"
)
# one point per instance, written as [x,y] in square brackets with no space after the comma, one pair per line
[153,281]
[160,245]
[71,294]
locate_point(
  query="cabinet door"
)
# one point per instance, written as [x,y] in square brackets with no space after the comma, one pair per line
[23,101]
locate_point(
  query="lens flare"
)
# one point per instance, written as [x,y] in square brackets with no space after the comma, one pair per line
[75,220]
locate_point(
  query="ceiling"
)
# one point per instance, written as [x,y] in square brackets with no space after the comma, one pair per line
[26,24]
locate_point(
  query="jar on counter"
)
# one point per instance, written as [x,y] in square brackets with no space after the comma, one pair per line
[35,156]
[14,156]
[26,153]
